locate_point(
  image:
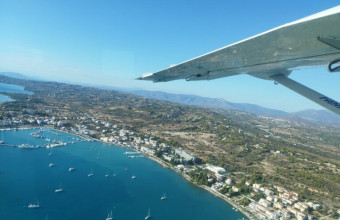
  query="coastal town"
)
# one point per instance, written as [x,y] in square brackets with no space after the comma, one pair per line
[254,199]
[110,117]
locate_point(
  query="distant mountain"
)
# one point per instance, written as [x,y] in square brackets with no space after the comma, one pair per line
[318,115]
[208,102]
[306,115]
[14,75]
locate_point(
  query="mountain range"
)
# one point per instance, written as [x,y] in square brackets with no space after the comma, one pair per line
[219,103]
[311,115]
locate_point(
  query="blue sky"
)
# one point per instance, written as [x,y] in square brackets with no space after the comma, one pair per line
[113,42]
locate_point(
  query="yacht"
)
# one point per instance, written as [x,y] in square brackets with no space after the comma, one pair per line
[51,165]
[148,216]
[109,216]
[163,196]
[71,169]
[133,177]
[2,138]
[34,206]
[59,189]
[90,174]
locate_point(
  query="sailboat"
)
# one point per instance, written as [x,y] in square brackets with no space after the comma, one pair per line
[163,196]
[90,174]
[34,206]
[2,138]
[148,216]
[59,189]
[109,216]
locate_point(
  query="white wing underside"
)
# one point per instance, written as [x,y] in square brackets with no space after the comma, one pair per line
[311,41]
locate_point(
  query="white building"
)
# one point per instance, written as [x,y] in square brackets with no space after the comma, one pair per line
[185,155]
[147,151]
[215,169]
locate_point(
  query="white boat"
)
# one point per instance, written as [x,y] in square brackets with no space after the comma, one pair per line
[59,189]
[27,146]
[34,206]
[2,138]
[133,177]
[90,174]
[109,216]
[107,175]
[71,169]
[148,216]
[163,196]
[51,165]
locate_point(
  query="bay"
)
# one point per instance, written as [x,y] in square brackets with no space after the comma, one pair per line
[11,88]
[4,98]
[25,176]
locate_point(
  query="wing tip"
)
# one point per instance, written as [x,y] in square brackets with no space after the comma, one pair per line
[146,76]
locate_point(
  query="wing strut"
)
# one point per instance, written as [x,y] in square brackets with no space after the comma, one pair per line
[320,99]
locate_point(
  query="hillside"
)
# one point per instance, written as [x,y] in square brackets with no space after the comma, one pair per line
[319,116]
[290,153]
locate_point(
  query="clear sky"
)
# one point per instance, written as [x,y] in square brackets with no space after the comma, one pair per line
[113,42]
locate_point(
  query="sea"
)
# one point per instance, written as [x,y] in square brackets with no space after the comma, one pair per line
[27,177]
[10,88]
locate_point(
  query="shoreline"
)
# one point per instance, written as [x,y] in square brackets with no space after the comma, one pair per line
[232,203]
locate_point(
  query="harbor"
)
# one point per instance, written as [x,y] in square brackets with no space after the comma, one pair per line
[111,186]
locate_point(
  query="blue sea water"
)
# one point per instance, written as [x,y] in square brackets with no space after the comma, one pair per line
[4,98]
[4,87]
[25,177]
[11,89]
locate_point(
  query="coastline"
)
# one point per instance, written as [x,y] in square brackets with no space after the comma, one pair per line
[241,209]
[232,203]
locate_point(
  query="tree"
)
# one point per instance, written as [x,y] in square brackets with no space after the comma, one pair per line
[244,201]
[258,196]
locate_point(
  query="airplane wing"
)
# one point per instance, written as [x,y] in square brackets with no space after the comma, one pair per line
[310,41]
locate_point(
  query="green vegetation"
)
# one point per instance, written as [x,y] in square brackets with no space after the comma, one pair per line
[292,153]
[258,196]
[199,177]
[244,202]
